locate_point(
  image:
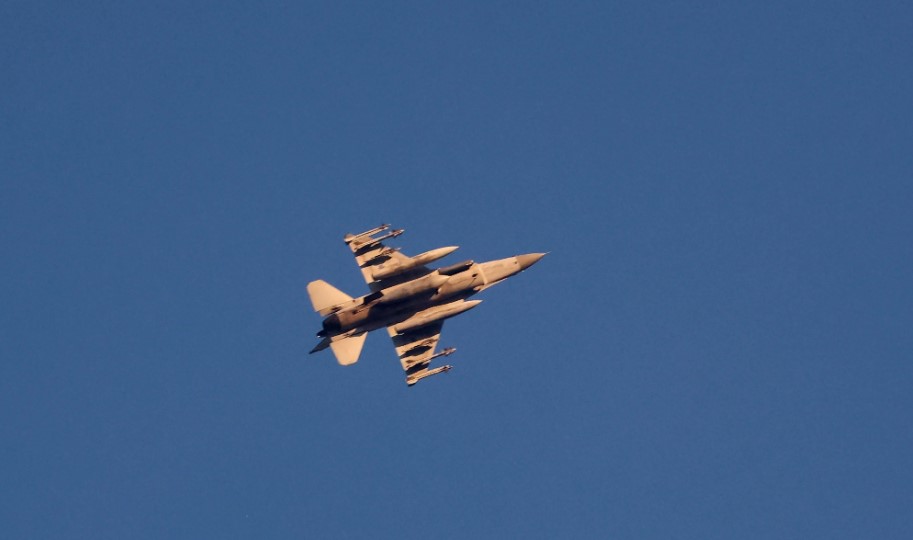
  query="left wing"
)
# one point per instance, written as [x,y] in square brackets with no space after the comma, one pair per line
[382,266]
[415,349]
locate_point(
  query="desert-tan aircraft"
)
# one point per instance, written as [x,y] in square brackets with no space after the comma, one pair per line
[407,298]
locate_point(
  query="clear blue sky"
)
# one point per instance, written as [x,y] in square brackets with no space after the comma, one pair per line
[718,346]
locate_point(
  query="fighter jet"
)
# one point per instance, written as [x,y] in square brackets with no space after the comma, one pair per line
[407,298]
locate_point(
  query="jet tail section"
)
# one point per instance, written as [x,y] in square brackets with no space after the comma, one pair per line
[325,297]
[348,350]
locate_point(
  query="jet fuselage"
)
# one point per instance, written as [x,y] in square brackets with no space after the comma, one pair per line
[428,298]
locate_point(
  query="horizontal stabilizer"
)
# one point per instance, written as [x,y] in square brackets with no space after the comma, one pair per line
[325,297]
[348,350]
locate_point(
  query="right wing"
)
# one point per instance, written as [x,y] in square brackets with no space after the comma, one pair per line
[415,349]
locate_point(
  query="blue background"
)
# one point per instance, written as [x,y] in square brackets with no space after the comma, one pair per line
[718,346]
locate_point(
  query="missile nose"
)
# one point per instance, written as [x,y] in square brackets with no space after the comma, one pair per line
[525,261]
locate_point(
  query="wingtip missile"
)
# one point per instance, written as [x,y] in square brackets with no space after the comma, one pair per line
[363,242]
[349,238]
[419,375]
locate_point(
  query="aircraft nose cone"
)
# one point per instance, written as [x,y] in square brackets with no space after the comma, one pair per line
[529,259]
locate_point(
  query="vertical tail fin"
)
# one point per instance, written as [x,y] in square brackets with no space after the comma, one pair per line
[325,297]
[348,350]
